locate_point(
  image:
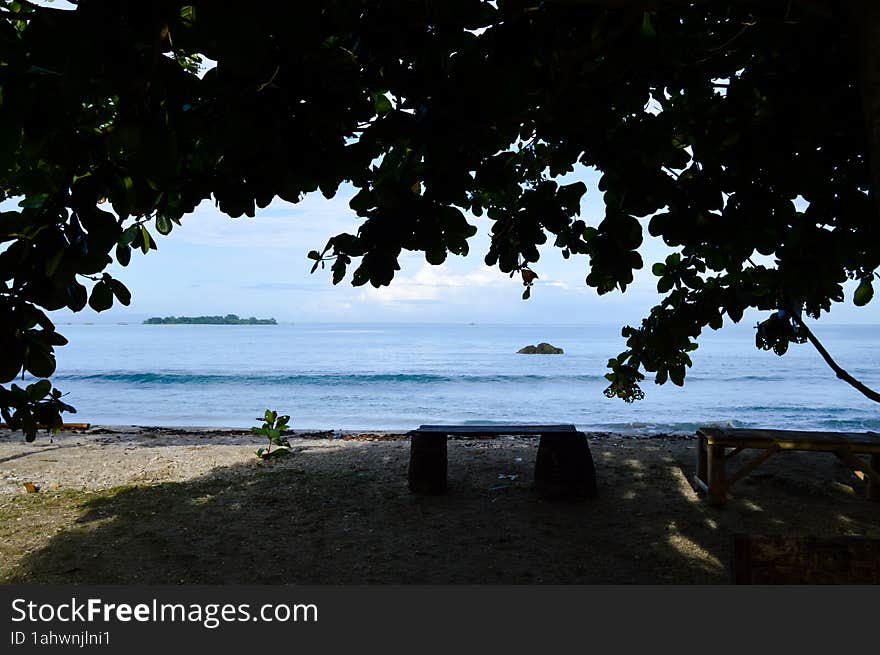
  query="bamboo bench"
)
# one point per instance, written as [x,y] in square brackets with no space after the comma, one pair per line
[563,467]
[713,444]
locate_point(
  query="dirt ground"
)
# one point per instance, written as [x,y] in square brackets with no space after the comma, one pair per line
[162,505]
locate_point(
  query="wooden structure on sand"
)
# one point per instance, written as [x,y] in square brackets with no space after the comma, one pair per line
[718,446]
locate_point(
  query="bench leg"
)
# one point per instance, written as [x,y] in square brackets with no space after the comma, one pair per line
[564,468]
[873,487]
[717,482]
[427,463]
[702,460]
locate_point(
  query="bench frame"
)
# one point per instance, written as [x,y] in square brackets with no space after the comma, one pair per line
[713,444]
[563,468]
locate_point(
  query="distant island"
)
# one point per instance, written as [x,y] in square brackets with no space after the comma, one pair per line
[229,319]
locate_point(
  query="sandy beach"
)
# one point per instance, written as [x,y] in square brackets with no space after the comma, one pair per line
[165,505]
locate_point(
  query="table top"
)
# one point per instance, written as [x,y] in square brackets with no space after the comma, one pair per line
[493,429]
[790,438]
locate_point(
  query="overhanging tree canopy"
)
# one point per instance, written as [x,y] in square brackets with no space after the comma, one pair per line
[706,121]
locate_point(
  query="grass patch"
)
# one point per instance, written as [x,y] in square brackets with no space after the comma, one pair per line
[28,522]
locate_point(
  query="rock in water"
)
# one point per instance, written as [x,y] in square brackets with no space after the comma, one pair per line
[542,348]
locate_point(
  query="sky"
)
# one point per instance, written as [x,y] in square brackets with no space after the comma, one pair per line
[213,264]
[216,265]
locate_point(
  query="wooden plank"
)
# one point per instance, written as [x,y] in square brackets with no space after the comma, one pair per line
[811,435]
[736,435]
[478,430]
[751,465]
[736,451]
[793,440]
[777,559]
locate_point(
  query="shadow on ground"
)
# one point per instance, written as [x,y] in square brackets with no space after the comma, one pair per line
[312,520]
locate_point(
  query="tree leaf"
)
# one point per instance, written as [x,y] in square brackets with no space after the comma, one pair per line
[101,297]
[528,276]
[35,201]
[38,390]
[40,363]
[381,103]
[648,25]
[123,254]
[54,261]
[119,290]
[864,292]
[163,225]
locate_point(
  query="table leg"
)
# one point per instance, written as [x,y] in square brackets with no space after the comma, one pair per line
[873,487]
[702,460]
[427,463]
[564,468]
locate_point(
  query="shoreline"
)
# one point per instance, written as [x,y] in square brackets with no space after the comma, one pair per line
[104,456]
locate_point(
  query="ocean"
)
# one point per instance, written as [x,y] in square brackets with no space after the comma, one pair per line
[363,377]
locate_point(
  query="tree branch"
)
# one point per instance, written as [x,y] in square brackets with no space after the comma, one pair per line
[842,374]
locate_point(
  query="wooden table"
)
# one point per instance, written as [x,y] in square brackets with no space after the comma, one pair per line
[563,469]
[712,455]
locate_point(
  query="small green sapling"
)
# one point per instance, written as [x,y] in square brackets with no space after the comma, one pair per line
[273,428]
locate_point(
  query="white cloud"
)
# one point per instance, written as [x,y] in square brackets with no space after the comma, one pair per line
[282,225]
[440,283]
[441,276]
[432,283]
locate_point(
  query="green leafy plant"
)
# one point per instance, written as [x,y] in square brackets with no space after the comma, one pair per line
[273,429]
